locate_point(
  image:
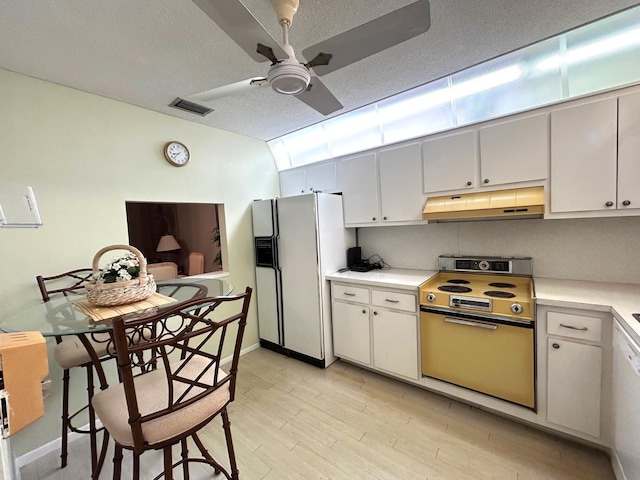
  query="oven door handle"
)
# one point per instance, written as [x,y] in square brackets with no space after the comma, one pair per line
[470,324]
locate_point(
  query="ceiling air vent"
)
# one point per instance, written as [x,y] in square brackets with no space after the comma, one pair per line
[190,107]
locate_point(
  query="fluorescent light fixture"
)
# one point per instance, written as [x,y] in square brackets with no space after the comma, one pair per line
[473,86]
[428,108]
[306,146]
[420,103]
[360,121]
[280,154]
[614,43]
[303,141]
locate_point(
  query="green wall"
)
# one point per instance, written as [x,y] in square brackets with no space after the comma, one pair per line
[84,156]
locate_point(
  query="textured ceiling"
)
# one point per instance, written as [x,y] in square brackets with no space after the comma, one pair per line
[148,52]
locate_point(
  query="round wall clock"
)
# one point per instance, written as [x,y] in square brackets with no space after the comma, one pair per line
[177,154]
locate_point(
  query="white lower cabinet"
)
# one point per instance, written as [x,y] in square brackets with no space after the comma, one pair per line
[394,342]
[377,328]
[574,385]
[351,332]
[574,349]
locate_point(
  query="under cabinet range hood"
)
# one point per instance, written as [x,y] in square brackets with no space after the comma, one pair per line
[513,203]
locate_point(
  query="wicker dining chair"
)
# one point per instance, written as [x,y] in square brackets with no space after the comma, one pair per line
[69,351]
[183,389]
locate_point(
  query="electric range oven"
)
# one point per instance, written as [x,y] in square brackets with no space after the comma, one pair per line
[478,328]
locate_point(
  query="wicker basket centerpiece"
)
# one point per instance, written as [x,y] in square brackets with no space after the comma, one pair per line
[124,279]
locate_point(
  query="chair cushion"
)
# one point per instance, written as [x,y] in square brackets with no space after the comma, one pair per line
[71,352]
[163,270]
[196,263]
[151,390]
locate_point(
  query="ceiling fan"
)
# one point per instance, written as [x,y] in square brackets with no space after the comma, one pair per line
[287,75]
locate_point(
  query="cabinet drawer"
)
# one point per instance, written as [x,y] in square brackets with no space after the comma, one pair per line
[352,294]
[399,301]
[574,326]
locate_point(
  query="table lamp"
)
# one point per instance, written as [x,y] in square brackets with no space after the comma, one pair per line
[167,243]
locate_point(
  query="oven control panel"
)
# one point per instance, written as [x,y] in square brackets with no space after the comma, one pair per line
[501,265]
[470,303]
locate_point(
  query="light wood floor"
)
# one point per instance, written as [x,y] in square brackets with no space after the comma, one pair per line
[294,421]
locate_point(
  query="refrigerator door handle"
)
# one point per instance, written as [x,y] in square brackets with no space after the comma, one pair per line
[277,261]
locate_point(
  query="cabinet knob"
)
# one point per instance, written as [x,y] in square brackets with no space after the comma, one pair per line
[609,204]
[364,311]
[486,180]
[301,191]
[374,219]
[384,218]
[375,313]
[555,345]
[469,184]
[626,203]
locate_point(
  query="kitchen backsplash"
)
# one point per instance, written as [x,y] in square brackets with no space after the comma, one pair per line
[596,249]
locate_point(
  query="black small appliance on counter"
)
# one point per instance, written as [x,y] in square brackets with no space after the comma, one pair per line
[356,263]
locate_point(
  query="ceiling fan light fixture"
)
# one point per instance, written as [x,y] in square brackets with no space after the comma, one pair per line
[289,77]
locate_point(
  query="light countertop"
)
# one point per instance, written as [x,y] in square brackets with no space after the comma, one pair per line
[403,279]
[619,299]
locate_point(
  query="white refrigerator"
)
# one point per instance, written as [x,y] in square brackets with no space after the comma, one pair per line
[298,240]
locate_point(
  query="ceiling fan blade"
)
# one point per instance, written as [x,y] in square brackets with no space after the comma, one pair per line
[318,97]
[267,52]
[241,26]
[372,37]
[319,59]
[230,89]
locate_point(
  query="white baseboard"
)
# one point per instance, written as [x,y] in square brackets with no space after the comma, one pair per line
[617,467]
[54,445]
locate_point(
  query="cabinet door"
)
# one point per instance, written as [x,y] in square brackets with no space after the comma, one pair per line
[574,385]
[583,157]
[515,151]
[359,182]
[629,151]
[321,178]
[292,182]
[450,162]
[400,184]
[395,342]
[351,332]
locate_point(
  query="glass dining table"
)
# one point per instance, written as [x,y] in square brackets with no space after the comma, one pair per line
[61,316]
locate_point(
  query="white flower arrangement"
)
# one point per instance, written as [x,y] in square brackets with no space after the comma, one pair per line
[120,269]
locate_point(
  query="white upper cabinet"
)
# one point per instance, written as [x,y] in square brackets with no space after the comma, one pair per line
[498,154]
[382,187]
[629,151]
[450,162]
[400,183]
[584,153]
[583,157]
[314,178]
[360,194]
[321,178]
[292,182]
[515,151]
[595,164]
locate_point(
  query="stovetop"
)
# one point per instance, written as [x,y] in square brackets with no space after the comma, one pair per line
[481,293]
[503,295]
